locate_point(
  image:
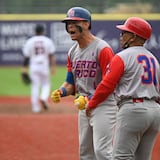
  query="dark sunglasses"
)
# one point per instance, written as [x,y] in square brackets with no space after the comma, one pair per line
[124,32]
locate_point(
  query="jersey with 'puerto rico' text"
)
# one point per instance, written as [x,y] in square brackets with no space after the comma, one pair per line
[89,65]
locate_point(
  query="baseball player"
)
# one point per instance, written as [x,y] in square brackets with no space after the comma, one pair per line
[135,74]
[87,62]
[39,56]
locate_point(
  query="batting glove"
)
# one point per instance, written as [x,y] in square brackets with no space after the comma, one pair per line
[56,96]
[80,102]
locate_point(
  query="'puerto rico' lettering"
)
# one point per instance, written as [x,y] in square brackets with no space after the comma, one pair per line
[84,68]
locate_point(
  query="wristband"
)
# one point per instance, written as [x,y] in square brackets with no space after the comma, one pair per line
[64,92]
[90,96]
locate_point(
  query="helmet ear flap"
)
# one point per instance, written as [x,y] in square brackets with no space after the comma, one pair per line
[79,27]
[66,25]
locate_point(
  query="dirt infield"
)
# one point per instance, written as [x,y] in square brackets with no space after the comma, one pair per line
[50,135]
[21,105]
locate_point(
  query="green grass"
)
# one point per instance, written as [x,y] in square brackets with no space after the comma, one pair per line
[12,85]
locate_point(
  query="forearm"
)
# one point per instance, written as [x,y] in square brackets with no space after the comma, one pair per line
[52,64]
[102,92]
[25,65]
[69,89]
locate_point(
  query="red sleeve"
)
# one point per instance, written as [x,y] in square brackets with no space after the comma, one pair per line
[69,65]
[109,82]
[104,59]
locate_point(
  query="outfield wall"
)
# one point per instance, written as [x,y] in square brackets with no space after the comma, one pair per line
[16,29]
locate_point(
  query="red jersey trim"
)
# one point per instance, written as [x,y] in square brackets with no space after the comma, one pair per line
[69,65]
[109,82]
[104,59]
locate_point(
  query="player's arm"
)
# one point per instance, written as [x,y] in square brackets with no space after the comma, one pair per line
[25,64]
[26,59]
[69,85]
[24,71]
[108,83]
[104,59]
[67,88]
[52,63]
[52,59]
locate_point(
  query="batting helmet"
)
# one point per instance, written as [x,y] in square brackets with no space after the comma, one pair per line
[138,26]
[78,14]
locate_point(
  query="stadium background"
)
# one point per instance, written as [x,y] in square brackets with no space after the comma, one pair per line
[16,28]
[53,134]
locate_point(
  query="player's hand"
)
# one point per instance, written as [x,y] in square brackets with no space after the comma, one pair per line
[88,111]
[56,96]
[80,102]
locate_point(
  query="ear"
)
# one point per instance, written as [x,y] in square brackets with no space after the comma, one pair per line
[86,24]
[133,38]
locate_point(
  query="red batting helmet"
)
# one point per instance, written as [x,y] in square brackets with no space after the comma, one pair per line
[138,26]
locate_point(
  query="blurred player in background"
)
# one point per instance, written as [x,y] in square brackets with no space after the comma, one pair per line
[135,73]
[39,56]
[87,63]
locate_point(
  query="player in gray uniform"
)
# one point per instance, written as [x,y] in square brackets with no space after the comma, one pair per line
[87,62]
[135,73]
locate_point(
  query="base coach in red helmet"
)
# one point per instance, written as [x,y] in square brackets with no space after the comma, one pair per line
[134,75]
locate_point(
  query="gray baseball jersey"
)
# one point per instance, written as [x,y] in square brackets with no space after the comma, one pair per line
[88,66]
[135,73]
[142,72]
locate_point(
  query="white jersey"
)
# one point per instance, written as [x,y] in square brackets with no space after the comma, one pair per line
[38,49]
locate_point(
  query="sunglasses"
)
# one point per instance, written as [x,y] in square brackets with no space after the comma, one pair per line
[124,32]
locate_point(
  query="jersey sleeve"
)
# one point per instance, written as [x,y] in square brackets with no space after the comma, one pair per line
[69,65]
[104,59]
[51,47]
[69,76]
[109,82]
[26,49]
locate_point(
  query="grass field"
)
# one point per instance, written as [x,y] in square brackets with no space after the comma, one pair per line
[12,85]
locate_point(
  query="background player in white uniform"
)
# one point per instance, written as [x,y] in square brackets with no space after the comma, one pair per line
[135,74]
[87,63]
[39,55]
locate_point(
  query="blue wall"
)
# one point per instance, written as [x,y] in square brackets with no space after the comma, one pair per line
[13,35]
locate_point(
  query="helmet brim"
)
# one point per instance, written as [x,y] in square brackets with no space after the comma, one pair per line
[123,28]
[74,19]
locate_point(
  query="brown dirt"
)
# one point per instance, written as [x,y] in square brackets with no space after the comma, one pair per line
[21,105]
[50,135]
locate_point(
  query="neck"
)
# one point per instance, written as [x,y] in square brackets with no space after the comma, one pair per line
[85,40]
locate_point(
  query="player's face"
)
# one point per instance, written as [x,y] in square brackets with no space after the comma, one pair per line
[75,28]
[125,39]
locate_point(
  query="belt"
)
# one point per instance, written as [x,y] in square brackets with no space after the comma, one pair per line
[138,100]
[132,100]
